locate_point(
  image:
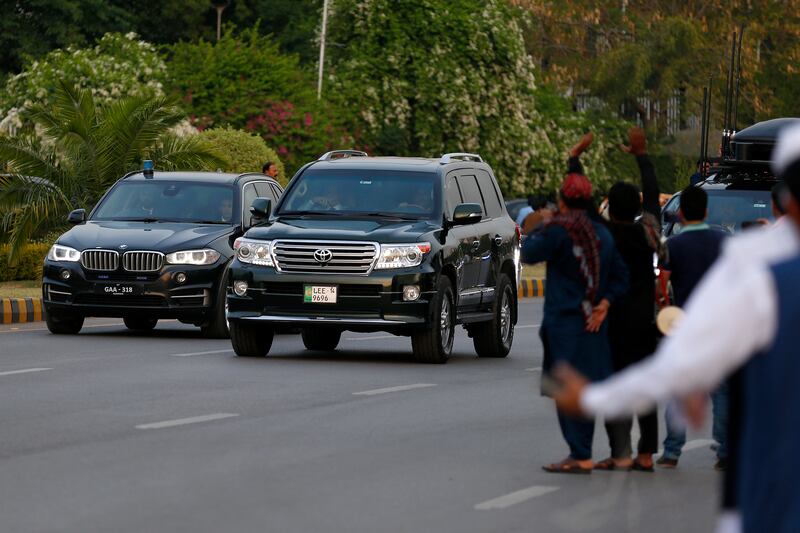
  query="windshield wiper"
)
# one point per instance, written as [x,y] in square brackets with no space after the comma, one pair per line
[389,214]
[134,219]
[306,213]
[208,222]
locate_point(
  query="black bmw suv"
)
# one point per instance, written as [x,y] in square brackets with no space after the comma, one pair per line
[157,245]
[410,246]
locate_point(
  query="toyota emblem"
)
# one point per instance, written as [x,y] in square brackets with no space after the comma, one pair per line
[323,255]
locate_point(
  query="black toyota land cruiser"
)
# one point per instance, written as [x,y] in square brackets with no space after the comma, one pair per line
[157,245]
[410,246]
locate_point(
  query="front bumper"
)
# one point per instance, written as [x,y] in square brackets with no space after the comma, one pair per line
[364,303]
[156,295]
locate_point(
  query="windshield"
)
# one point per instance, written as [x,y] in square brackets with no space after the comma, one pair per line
[368,193]
[168,201]
[730,210]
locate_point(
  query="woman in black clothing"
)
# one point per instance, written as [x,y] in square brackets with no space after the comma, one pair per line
[631,330]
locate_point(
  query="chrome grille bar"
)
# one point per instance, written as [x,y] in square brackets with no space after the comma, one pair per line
[347,257]
[100,260]
[142,261]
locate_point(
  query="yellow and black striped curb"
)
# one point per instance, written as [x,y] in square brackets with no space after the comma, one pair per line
[17,310]
[531,288]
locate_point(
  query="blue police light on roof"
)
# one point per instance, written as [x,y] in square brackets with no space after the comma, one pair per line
[147,168]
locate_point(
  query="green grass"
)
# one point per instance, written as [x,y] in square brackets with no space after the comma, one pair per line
[21,289]
[533,271]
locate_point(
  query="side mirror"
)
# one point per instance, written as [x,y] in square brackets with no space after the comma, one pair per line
[261,208]
[77,216]
[465,214]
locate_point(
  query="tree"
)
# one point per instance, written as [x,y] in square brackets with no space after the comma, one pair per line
[434,76]
[85,146]
[117,66]
[245,152]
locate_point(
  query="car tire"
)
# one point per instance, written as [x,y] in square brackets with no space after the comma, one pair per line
[434,345]
[495,337]
[251,340]
[321,340]
[217,326]
[60,325]
[140,323]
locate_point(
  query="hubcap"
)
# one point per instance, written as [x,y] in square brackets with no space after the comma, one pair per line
[505,318]
[445,325]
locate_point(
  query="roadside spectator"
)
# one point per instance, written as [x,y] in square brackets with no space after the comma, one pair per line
[701,173]
[270,169]
[585,276]
[632,332]
[527,210]
[754,288]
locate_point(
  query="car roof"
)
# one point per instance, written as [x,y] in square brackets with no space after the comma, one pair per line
[764,132]
[194,176]
[411,164]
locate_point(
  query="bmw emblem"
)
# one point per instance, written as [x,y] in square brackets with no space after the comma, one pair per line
[123,246]
[322,256]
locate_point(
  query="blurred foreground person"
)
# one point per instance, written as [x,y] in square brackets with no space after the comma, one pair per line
[585,276]
[632,332]
[745,311]
[692,252]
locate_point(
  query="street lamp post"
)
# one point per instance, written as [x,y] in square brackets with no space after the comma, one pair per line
[323,34]
[220,6]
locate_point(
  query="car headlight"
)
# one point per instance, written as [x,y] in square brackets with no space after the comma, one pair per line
[59,252]
[193,257]
[402,255]
[253,252]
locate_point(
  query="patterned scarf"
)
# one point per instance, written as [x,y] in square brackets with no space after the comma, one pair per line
[586,249]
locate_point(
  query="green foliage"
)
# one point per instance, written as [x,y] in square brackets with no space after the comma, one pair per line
[117,66]
[228,81]
[434,76]
[28,263]
[83,148]
[245,152]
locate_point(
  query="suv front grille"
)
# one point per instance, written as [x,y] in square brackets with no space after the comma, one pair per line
[142,261]
[344,257]
[103,260]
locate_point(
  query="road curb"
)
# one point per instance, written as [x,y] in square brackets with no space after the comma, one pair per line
[20,310]
[531,288]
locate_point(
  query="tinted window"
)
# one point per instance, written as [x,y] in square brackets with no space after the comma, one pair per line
[277,191]
[168,201]
[470,191]
[264,190]
[249,195]
[453,194]
[490,196]
[730,209]
[367,192]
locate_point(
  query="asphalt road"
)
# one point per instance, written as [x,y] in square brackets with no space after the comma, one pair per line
[113,431]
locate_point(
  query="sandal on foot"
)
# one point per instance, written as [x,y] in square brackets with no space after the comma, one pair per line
[639,467]
[567,466]
[610,465]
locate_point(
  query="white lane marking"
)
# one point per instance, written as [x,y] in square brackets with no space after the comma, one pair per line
[374,338]
[529,326]
[23,371]
[399,388]
[190,354]
[698,443]
[534,369]
[185,421]
[514,498]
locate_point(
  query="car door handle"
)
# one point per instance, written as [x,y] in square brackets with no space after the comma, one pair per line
[476,245]
[498,240]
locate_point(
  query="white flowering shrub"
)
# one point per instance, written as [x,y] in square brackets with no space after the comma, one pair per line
[425,77]
[118,66]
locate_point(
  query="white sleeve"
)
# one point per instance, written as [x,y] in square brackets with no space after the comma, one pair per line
[731,316]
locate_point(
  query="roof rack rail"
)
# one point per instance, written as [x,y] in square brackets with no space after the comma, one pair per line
[460,156]
[341,154]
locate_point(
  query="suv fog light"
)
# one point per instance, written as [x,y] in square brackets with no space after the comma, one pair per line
[410,293]
[180,277]
[65,274]
[240,288]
